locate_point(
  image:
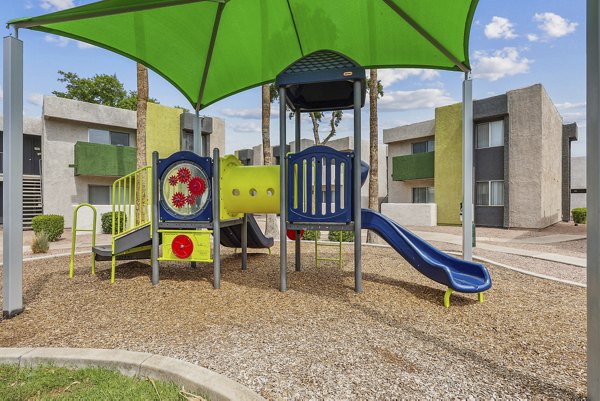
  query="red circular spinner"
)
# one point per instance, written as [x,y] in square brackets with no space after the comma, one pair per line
[291,234]
[197,186]
[182,246]
[178,200]
[184,175]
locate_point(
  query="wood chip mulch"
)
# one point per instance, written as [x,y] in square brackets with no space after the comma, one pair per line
[320,340]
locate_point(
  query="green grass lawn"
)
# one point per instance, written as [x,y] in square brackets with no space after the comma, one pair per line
[52,383]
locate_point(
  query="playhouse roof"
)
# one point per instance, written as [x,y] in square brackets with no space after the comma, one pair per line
[210,49]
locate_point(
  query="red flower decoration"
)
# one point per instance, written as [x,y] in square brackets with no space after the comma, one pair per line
[190,200]
[178,200]
[197,186]
[184,175]
[173,180]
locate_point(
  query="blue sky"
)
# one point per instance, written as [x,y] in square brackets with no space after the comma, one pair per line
[514,43]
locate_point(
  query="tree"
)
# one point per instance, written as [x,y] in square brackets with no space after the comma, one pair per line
[375,91]
[142,108]
[269,94]
[334,121]
[102,89]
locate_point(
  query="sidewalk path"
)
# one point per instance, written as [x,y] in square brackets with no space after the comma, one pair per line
[553,257]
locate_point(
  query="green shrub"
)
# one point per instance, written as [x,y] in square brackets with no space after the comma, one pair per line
[347,236]
[579,215]
[311,235]
[40,243]
[107,222]
[52,224]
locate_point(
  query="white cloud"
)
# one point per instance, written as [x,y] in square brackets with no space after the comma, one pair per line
[62,41]
[553,25]
[56,4]
[532,37]
[500,28]
[83,45]
[36,99]
[570,106]
[243,113]
[247,126]
[501,63]
[388,76]
[412,100]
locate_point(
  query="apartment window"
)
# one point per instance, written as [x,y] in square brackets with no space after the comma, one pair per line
[108,137]
[187,142]
[423,195]
[490,134]
[99,195]
[489,193]
[423,147]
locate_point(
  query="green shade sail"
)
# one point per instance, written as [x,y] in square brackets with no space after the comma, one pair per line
[210,49]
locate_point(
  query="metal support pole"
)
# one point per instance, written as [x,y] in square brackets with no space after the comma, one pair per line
[13,178]
[283,197]
[356,186]
[245,242]
[297,149]
[593,200]
[197,135]
[467,170]
[216,220]
[155,201]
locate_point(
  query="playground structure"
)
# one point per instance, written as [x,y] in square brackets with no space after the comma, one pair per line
[178,202]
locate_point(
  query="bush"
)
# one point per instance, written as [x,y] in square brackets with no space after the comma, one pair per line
[311,235]
[40,243]
[347,236]
[579,215]
[52,224]
[107,222]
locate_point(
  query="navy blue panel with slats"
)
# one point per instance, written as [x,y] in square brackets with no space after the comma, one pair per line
[321,179]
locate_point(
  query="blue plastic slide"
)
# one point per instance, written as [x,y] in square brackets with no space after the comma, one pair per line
[457,274]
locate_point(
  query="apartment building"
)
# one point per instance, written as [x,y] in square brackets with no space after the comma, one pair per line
[521,164]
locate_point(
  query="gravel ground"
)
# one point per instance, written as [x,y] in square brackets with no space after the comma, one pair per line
[554,269]
[320,340]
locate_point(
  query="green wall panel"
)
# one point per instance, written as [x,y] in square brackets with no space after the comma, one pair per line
[448,163]
[103,160]
[413,167]
[163,131]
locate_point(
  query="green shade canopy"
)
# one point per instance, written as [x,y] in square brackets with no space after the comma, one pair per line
[210,49]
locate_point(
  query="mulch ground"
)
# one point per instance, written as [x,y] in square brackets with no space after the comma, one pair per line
[320,340]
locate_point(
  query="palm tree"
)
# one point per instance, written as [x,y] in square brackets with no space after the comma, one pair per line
[269,93]
[375,91]
[142,108]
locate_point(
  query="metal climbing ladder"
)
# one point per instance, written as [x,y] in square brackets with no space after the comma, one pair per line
[328,244]
[74,237]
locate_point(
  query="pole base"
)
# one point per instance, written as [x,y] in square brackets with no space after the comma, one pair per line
[11,314]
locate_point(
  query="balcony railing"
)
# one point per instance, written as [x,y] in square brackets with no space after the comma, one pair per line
[104,160]
[413,167]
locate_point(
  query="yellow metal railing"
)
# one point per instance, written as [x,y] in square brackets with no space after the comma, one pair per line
[331,244]
[74,237]
[131,201]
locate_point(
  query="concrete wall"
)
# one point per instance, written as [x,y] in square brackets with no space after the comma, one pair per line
[534,159]
[411,214]
[578,182]
[448,163]
[66,122]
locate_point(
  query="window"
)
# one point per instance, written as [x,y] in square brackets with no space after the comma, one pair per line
[490,134]
[108,137]
[99,194]
[187,141]
[489,193]
[423,147]
[423,195]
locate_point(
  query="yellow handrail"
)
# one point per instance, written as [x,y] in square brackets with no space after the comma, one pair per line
[74,238]
[131,197]
[139,186]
